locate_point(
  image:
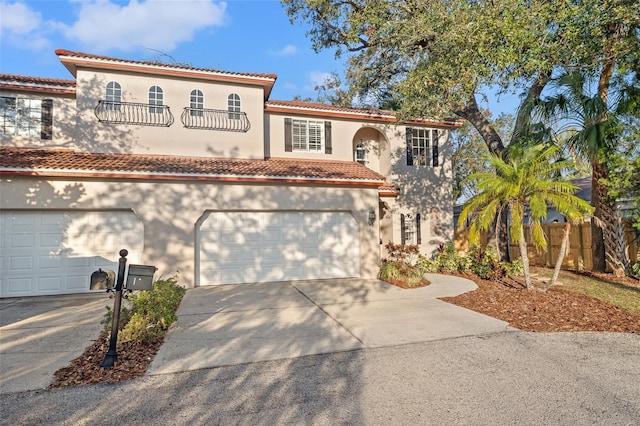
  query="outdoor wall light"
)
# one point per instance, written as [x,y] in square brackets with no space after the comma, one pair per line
[372,217]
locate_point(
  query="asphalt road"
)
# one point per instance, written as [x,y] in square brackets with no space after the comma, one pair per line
[501,379]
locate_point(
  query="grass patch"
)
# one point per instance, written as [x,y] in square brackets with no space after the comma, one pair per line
[623,295]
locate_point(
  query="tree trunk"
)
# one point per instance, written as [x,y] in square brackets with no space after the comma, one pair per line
[598,258]
[473,115]
[525,259]
[563,252]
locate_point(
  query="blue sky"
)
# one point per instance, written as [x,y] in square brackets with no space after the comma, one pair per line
[236,35]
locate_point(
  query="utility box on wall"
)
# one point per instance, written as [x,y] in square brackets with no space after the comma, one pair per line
[140,277]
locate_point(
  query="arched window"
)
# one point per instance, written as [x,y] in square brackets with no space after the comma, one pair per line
[155,100]
[113,96]
[196,103]
[234,106]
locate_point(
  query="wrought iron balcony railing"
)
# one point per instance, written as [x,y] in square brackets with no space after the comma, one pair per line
[215,119]
[133,113]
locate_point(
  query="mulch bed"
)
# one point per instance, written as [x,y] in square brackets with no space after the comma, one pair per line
[553,310]
[133,361]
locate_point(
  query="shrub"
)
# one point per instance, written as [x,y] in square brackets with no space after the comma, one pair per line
[426,265]
[150,313]
[484,263]
[405,253]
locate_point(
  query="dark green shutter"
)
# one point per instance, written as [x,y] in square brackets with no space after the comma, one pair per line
[46,129]
[409,147]
[288,135]
[435,153]
[402,236]
[418,236]
[327,138]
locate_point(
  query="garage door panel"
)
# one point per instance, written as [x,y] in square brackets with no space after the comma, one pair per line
[56,252]
[272,246]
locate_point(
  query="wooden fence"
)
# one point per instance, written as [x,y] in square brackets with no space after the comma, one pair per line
[579,251]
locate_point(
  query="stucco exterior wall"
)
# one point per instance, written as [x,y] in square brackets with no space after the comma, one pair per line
[171,210]
[174,140]
[64,120]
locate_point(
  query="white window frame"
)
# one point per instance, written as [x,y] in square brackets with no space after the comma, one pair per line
[409,230]
[21,116]
[307,135]
[234,106]
[196,103]
[421,146]
[113,96]
[156,99]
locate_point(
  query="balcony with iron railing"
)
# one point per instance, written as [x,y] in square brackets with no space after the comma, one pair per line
[133,113]
[215,119]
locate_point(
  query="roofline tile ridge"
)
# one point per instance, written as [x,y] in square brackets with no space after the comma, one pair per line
[65,52]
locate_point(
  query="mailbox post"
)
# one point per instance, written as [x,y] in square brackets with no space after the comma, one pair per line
[112,355]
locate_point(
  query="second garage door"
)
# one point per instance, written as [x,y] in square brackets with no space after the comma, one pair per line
[241,247]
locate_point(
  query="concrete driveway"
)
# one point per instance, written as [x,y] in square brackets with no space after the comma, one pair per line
[40,335]
[236,324]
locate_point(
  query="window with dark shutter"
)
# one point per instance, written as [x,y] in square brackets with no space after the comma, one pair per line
[47,119]
[418,236]
[435,153]
[288,135]
[409,146]
[402,234]
[327,137]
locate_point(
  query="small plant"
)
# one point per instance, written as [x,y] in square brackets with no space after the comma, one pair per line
[401,266]
[150,313]
[405,253]
[484,263]
[153,311]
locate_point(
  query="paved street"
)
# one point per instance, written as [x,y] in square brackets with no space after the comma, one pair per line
[504,378]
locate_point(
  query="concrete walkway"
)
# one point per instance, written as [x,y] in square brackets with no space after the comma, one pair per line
[236,324]
[40,335]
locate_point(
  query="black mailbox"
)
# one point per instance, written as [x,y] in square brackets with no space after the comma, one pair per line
[140,277]
[102,280]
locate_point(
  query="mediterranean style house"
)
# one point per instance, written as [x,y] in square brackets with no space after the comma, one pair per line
[198,172]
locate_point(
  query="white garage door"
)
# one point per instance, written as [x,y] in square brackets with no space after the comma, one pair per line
[242,247]
[44,253]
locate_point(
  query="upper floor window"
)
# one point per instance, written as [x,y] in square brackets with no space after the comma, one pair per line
[422,147]
[360,153]
[307,135]
[156,98]
[113,96]
[234,106]
[196,103]
[26,117]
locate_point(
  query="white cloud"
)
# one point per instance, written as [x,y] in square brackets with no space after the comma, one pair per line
[155,24]
[23,27]
[288,50]
[318,78]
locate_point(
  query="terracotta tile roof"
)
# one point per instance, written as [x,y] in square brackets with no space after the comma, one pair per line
[388,190]
[56,162]
[23,82]
[64,52]
[326,107]
[347,112]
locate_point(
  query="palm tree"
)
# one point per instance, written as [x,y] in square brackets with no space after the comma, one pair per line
[589,122]
[530,177]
